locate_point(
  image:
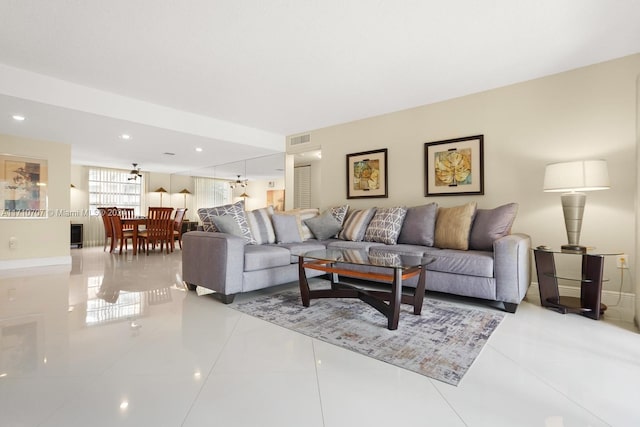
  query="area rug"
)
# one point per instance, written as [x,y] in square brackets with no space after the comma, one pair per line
[442,343]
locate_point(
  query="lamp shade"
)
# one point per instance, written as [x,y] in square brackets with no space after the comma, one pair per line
[581,175]
[160,190]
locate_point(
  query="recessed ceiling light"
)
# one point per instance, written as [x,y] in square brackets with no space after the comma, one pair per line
[125,136]
[198,149]
[18,118]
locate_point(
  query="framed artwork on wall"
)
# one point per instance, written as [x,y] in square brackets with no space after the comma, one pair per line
[454,167]
[367,174]
[23,182]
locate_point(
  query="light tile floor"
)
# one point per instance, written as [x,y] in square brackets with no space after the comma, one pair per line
[118,341]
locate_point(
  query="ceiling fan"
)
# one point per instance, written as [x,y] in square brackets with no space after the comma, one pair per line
[237,183]
[135,172]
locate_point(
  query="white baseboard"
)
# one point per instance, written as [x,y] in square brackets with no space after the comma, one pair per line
[620,306]
[34,262]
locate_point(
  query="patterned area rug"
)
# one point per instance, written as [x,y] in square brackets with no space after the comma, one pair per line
[442,343]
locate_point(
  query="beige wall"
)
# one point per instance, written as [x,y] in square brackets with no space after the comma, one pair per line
[39,241]
[580,114]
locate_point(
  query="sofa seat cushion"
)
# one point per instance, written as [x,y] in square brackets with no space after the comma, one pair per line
[259,257]
[468,263]
[296,249]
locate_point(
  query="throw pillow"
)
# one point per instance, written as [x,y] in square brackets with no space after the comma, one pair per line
[419,225]
[286,228]
[355,225]
[261,227]
[235,210]
[385,225]
[206,215]
[303,215]
[490,225]
[227,224]
[339,213]
[453,226]
[324,226]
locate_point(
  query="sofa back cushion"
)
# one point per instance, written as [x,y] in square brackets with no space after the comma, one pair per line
[419,226]
[286,228]
[355,225]
[490,225]
[385,225]
[453,226]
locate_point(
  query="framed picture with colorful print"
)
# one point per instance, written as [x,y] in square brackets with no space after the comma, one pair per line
[367,174]
[454,167]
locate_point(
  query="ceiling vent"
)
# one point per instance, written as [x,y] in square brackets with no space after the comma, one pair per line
[300,139]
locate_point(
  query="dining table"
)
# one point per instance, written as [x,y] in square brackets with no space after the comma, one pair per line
[135,223]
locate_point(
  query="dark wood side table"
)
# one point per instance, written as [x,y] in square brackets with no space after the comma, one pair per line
[588,304]
[76,235]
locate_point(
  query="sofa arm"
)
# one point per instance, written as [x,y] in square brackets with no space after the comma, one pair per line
[512,267]
[213,260]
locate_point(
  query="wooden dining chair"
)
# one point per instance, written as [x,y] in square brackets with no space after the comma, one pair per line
[108,230]
[127,213]
[159,229]
[120,234]
[177,227]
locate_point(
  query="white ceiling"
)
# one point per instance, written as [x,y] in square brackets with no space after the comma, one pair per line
[235,76]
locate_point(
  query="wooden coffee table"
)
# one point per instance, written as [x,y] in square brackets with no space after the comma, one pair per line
[388,267]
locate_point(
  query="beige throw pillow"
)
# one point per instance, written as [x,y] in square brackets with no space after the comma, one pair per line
[453,226]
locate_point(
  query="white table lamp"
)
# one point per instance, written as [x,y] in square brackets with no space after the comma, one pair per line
[573,179]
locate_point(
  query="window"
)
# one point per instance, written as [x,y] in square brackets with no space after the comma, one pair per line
[112,187]
[211,192]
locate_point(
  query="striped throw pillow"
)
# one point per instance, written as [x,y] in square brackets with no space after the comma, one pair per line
[356,224]
[261,226]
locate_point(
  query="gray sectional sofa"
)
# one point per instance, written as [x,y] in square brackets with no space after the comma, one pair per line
[494,265]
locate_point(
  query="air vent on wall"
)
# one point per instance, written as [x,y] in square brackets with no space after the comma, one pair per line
[300,139]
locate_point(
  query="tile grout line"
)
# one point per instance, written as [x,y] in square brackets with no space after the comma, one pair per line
[315,365]
[548,384]
[213,365]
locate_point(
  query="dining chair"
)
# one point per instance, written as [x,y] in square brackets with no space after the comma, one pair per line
[127,213]
[159,229]
[177,227]
[106,222]
[120,234]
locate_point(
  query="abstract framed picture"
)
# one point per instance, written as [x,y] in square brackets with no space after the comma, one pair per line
[23,187]
[454,167]
[367,174]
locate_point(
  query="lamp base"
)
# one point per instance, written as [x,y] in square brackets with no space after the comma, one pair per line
[574,249]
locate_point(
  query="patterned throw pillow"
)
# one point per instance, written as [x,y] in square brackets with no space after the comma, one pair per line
[453,226]
[386,225]
[235,210]
[339,213]
[261,227]
[356,224]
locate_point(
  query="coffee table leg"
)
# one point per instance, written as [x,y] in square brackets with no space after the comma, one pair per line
[394,303]
[304,285]
[418,297]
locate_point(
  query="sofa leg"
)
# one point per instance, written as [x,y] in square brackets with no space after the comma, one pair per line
[190,286]
[227,299]
[510,307]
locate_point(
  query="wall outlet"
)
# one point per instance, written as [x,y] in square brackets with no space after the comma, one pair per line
[622,261]
[13,242]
